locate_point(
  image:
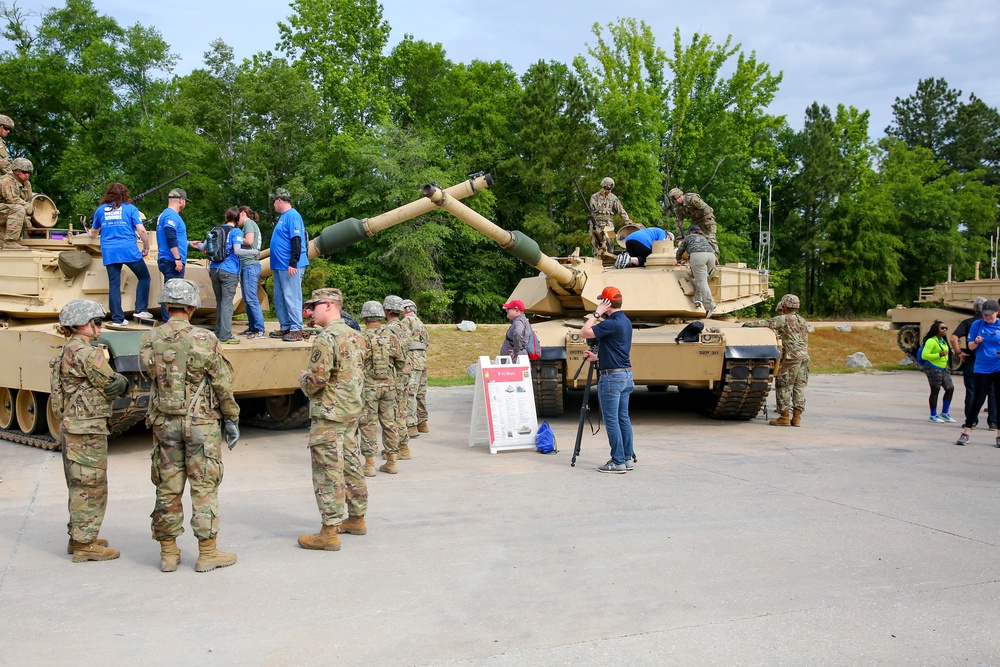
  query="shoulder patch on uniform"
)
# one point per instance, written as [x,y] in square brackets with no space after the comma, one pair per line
[317,353]
[98,360]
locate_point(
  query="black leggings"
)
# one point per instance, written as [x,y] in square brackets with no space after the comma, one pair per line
[639,251]
[983,383]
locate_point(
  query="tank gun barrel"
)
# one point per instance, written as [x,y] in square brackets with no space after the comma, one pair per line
[350,231]
[517,244]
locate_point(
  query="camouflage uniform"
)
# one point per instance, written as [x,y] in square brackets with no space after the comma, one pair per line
[81,375]
[15,199]
[793,371]
[334,383]
[605,207]
[384,357]
[416,403]
[698,212]
[4,159]
[403,333]
[191,391]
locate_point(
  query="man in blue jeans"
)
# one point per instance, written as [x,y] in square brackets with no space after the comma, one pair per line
[289,259]
[118,224]
[614,375]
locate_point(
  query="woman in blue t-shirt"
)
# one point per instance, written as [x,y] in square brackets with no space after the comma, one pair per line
[934,352]
[117,222]
[984,339]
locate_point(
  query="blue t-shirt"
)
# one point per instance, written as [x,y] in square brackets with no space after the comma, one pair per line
[289,225]
[232,262]
[646,237]
[987,360]
[615,335]
[170,219]
[118,238]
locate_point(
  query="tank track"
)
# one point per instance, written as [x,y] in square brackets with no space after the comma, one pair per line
[908,339]
[745,386]
[547,381]
[45,441]
[298,419]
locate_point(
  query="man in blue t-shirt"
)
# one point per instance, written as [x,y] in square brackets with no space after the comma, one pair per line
[614,376]
[117,222]
[639,246]
[172,240]
[289,258]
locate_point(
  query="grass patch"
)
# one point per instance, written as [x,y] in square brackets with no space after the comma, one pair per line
[829,349]
[452,351]
[449,382]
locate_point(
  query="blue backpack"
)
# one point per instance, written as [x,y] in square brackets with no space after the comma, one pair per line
[920,357]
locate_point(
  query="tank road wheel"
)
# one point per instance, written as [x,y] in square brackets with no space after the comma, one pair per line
[908,339]
[955,365]
[7,407]
[54,425]
[547,382]
[30,408]
[279,407]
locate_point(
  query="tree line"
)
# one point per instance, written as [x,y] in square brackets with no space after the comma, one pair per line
[353,128]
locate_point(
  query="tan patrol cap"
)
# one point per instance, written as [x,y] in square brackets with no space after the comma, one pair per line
[325,294]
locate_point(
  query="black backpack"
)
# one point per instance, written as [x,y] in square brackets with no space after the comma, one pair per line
[215,244]
[690,333]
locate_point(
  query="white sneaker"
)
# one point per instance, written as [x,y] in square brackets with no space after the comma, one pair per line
[144,314]
[123,323]
[622,260]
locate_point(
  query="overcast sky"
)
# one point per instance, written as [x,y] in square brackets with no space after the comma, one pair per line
[852,52]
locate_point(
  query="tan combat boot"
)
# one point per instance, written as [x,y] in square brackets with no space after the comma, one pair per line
[93,551]
[13,245]
[170,555]
[326,540]
[73,544]
[404,452]
[390,465]
[369,469]
[797,417]
[355,525]
[782,420]
[422,427]
[412,431]
[210,558]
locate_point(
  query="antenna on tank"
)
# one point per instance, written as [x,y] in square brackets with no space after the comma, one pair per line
[764,237]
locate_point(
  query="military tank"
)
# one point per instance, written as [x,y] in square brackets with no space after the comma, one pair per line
[728,370]
[62,264]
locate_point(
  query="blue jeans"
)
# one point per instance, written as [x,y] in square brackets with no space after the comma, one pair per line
[166,267]
[249,278]
[288,300]
[613,390]
[138,267]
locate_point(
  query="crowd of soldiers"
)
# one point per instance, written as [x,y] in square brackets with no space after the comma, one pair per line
[355,381]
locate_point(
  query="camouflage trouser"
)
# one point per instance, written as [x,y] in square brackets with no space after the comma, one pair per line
[12,218]
[337,470]
[178,458]
[402,396]
[380,408]
[790,385]
[708,226]
[602,238]
[85,462]
[416,403]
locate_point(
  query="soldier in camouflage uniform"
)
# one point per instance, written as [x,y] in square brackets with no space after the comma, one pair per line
[605,206]
[384,357]
[393,306]
[334,383]
[15,202]
[82,385]
[416,404]
[793,371]
[191,392]
[692,207]
[6,127]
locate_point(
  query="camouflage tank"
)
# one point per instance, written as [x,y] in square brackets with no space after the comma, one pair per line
[62,264]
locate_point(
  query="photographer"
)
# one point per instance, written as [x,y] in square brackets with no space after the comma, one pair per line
[614,375]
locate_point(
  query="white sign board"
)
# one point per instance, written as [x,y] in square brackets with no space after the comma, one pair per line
[503,408]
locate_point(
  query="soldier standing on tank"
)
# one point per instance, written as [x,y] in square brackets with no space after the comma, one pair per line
[83,385]
[605,206]
[692,207]
[15,202]
[191,393]
[793,371]
[384,357]
[6,127]
[416,403]
[334,383]
[393,306]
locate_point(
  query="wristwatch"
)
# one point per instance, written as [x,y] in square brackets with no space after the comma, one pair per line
[596,315]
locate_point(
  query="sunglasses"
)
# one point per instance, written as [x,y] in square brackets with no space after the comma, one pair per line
[97,322]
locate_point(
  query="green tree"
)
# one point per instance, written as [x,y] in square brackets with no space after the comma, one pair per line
[927,117]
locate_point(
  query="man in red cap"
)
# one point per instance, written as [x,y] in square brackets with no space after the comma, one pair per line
[518,336]
[614,375]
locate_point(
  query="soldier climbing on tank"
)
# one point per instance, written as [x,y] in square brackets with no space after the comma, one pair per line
[15,202]
[692,207]
[6,127]
[793,371]
[605,206]
[384,358]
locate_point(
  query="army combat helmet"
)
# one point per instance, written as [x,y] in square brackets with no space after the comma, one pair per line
[180,292]
[22,164]
[78,312]
[788,303]
[371,310]
[675,193]
[608,182]
[393,303]
[7,122]
[409,306]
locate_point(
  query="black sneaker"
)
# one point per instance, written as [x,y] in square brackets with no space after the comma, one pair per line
[998,442]
[992,427]
[611,466]
[962,440]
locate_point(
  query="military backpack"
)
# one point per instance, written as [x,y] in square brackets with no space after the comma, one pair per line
[381,355]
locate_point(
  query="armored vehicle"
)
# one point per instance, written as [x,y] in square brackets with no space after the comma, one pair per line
[65,264]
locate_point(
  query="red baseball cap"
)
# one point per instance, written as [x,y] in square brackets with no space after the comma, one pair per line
[611,293]
[514,303]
